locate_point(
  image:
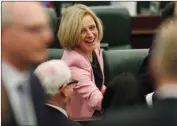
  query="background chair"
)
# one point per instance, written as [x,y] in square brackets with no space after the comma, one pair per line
[54,23]
[119,61]
[117,26]
[55,54]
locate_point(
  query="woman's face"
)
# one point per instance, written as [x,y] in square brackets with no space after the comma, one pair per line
[88,40]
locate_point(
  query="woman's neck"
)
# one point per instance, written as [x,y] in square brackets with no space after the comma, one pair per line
[90,56]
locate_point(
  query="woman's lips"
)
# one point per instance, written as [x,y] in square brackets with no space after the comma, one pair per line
[89,42]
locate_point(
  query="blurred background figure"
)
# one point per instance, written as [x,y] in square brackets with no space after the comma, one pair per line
[163,66]
[122,92]
[45,3]
[175,8]
[80,33]
[55,76]
[169,10]
[26,35]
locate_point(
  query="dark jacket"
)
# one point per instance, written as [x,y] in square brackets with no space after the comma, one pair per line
[59,118]
[38,99]
[122,91]
[163,113]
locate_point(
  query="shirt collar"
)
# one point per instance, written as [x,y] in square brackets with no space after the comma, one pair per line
[59,109]
[16,77]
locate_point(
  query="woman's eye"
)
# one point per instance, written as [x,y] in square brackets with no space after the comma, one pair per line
[82,31]
[92,27]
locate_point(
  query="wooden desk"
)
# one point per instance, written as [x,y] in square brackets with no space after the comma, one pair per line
[143,30]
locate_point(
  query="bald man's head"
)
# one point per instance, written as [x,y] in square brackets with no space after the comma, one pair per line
[26,32]
[12,11]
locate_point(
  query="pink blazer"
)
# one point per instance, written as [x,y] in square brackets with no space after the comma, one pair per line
[86,97]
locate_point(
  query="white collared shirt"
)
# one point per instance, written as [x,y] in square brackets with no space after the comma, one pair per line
[12,78]
[59,109]
[149,99]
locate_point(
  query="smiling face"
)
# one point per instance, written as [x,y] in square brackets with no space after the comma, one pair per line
[88,40]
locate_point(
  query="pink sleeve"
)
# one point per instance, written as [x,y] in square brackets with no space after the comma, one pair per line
[85,87]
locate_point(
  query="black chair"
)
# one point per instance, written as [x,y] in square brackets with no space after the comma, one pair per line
[117,26]
[119,61]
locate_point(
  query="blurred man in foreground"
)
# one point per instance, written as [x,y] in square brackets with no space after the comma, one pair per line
[163,65]
[25,36]
[55,76]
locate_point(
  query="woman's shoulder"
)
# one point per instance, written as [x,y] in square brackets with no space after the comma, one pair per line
[73,54]
[75,57]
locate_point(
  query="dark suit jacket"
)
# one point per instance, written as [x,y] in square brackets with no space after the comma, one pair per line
[38,99]
[59,118]
[163,113]
[122,91]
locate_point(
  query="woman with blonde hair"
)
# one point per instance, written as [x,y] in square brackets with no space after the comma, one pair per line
[80,33]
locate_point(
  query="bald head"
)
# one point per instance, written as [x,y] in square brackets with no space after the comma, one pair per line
[165,48]
[13,12]
[30,21]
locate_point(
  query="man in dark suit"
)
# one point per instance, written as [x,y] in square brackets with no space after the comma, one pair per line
[25,36]
[163,66]
[55,76]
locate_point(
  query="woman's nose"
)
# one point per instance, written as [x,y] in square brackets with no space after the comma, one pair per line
[89,33]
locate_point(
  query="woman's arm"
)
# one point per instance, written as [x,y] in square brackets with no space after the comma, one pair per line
[85,86]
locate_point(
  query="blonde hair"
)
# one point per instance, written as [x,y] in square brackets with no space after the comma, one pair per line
[71,25]
[165,48]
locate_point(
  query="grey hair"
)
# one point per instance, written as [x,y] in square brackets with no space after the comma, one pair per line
[6,13]
[53,74]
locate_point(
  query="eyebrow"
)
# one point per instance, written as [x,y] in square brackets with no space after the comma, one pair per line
[89,26]
[72,82]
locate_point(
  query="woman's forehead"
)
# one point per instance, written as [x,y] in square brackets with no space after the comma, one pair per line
[87,21]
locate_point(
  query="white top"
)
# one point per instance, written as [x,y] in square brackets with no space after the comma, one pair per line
[59,109]
[12,78]
[149,99]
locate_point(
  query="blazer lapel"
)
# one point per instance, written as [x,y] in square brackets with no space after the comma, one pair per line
[87,59]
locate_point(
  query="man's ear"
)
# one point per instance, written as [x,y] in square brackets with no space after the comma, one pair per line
[63,90]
